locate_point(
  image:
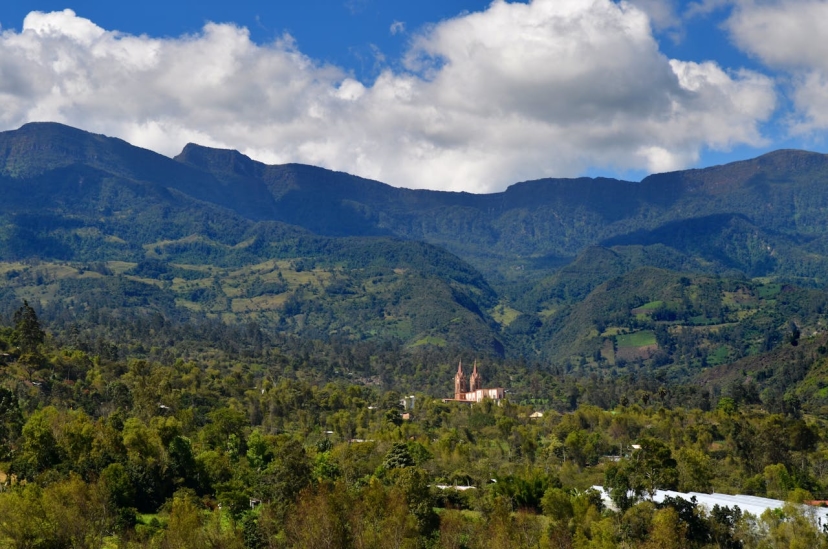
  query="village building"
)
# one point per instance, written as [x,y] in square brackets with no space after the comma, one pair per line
[471,391]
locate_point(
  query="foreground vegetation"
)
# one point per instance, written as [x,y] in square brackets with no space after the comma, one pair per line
[104,449]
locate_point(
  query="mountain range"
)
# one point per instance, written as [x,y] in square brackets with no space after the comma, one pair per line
[685,270]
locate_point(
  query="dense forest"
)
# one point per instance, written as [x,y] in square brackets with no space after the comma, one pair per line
[213,436]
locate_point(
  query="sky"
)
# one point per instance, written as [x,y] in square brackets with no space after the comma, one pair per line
[460,95]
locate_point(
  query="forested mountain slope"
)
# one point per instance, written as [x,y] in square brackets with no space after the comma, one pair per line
[758,210]
[587,273]
[762,208]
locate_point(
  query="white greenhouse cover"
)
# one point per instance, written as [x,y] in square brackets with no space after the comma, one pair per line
[748,504]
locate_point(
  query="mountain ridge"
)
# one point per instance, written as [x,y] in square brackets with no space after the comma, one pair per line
[504,271]
[497,232]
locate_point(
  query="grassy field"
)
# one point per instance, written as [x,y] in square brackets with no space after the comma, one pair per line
[504,315]
[608,352]
[612,331]
[637,339]
[719,356]
[430,340]
[769,291]
[651,306]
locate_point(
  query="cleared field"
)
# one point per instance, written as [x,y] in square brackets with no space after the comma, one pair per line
[430,340]
[738,299]
[770,291]
[719,356]
[120,267]
[648,307]
[504,315]
[643,338]
[608,352]
[260,303]
[612,331]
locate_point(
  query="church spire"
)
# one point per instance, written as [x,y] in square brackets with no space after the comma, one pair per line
[459,383]
[474,380]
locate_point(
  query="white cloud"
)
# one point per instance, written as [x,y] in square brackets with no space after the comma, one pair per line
[518,91]
[792,36]
[397,27]
[662,13]
[783,34]
[810,98]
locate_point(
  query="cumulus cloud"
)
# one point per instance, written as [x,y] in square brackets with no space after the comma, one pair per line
[662,13]
[790,35]
[783,34]
[397,27]
[518,91]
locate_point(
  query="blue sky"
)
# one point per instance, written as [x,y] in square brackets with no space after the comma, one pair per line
[450,94]
[335,31]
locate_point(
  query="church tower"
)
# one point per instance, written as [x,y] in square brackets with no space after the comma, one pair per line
[474,380]
[459,382]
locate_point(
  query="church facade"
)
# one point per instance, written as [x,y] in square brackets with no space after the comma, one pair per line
[471,390]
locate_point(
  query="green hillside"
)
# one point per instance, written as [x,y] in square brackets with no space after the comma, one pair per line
[762,217]
[682,271]
[312,286]
[682,322]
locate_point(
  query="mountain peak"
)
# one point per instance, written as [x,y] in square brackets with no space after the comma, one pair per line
[40,126]
[788,165]
[219,160]
[791,159]
[39,146]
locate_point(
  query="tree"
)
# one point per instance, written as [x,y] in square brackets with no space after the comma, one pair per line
[557,505]
[181,464]
[69,513]
[650,468]
[259,453]
[653,466]
[379,518]
[11,421]
[794,334]
[793,527]
[724,522]
[619,485]
[317,522]
[691,520]
[39,449]
[288,473]
[184,529]
[27,335]
[115,481]
[667,532]
[694,469]
[414,483]
[398,456]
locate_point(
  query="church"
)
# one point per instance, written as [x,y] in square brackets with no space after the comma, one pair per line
[471,391]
